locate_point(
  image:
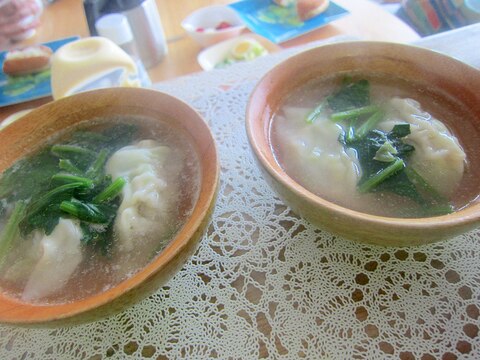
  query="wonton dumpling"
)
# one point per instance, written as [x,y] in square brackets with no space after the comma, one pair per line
[146,198]
[61,253]
[438,157]
[314,153]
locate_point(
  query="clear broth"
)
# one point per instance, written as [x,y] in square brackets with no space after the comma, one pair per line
[97,273]
[439,105]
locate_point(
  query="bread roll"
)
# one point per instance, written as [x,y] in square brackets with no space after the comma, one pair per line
[306,9]
[28,60]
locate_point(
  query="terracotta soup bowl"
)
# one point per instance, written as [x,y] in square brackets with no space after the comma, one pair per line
[36,129]
[436,81]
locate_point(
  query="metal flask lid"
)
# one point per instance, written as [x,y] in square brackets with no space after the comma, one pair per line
[115,27]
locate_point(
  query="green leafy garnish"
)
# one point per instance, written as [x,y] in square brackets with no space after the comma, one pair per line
[111,191]
[354,113]
[67,180]
[98,237]
[382,175]
[394,175]
[95,170]
[10,231]
[386,153]
[27,177]
[351,101]
[351,95]
[369,124]
[68,166]
[84,211]
[383,156]
[315,113]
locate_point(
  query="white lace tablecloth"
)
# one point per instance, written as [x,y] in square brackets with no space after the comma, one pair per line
[266,284]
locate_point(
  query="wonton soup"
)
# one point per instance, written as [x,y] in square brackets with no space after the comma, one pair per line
[93,207]
[374,144]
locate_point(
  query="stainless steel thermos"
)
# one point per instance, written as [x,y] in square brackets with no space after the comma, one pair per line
[144,20]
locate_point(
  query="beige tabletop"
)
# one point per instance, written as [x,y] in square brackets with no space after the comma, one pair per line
[366,21]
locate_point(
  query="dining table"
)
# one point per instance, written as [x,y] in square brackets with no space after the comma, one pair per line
[66,18]
[266,284]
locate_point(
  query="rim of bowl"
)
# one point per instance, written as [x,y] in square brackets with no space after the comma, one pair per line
[205,201]
[280,175]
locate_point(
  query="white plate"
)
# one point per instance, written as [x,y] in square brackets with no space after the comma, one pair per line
[214,54]
[208,18]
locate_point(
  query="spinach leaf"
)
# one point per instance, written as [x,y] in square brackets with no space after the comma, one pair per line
[63,180]
[401,185]
[373,170]
[10,231]
[98,237]
[28,177]
[312,116]
[370,144]
[110,138]
[350,96]
[44,212]
[389,172]
[45,220]
[111,191]
[85,211]
[375,180]
[354,113]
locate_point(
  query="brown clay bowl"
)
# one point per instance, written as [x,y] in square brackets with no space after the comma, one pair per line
[427,69]
[30,132]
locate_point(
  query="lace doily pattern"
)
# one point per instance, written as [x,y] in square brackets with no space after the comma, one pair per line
[266,284]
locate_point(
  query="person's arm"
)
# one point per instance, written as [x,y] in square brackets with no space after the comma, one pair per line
[18,19]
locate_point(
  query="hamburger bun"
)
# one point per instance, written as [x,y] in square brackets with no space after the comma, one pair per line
[306,9]
[26,61]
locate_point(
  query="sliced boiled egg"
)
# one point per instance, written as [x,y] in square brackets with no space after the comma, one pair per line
[247,49]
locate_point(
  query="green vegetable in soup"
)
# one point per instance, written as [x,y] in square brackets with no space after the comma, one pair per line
[315,113]
[68,166]
[95,170]
[98,237]
[111,191]
[92,213]
[367,147]
[369,124]
[354,113]
[349,102]
[72,151]
[351,95]
[52,196]
[10,231]
[28,177]
[382,175]
[66,180]
[69,178]
[383,158]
